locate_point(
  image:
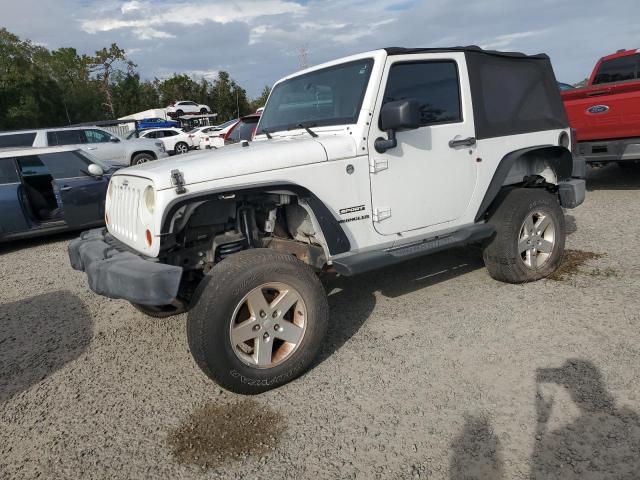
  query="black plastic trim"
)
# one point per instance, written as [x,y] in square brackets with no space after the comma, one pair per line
[364,262]
[115,272]
[562,163]
[337,240]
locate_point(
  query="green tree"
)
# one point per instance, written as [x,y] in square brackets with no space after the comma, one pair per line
[262,99]
[179,87]
[28,96]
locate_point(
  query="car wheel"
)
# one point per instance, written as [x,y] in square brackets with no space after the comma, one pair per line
[179,113]
[141,158]
[204,111]
[181,148]
[530,233]
[163,311]
[258,321]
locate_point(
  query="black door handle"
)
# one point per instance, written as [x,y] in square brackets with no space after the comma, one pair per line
[465,142]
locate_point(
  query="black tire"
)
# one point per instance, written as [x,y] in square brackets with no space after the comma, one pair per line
[502,256]
[179,113]
[181,148]
[158,312]
[215,302]
[630,166]
[141,158]
[204,111]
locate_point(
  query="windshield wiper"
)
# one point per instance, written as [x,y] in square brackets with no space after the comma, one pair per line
[306,127]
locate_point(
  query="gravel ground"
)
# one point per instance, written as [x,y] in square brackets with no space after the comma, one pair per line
[431,370]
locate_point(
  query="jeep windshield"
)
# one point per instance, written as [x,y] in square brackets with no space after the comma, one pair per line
[330,96]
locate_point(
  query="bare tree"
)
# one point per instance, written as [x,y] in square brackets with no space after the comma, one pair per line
[106,64]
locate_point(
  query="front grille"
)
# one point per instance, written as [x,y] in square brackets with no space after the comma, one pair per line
[123,218]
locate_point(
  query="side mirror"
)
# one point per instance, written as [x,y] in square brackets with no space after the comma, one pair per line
[395,117]
[114,140]
[95,170]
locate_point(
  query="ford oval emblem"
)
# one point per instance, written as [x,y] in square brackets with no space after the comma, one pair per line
[598,109]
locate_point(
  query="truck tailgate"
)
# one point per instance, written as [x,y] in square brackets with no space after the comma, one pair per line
[604,112]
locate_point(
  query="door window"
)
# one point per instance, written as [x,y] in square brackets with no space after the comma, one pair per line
[97,136]
[17,140]
[169,133]
[8,173]
[151,135]
[65,164]
[434,84]
[65,137]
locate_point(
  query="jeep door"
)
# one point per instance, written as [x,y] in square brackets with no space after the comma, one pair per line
[424,181]
[12,218]
[82,195]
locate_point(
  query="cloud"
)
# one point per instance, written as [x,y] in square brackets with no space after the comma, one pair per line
[257,41]
[503,41]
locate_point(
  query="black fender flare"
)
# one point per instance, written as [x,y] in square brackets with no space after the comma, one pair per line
[336,238]
[560,158]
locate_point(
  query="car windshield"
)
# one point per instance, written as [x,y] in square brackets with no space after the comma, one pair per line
[330,96]
[226,124]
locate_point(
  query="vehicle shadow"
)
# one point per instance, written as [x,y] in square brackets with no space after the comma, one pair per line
[15,245]
[476,452]
[602,442]
[612,177]
[39,335]
[352,299]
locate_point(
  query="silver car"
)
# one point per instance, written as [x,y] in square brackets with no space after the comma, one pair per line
[100,143]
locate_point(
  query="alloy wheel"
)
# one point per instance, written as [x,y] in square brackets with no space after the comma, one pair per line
[268,325]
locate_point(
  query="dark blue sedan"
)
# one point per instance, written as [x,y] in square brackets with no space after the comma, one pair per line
[48,190]
[156,123]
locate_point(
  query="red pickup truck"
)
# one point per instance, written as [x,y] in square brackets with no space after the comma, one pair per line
[606,113]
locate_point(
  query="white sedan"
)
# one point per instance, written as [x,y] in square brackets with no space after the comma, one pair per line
[211,136]
[175,140]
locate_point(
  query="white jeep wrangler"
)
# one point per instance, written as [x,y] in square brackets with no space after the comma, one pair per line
[358,163]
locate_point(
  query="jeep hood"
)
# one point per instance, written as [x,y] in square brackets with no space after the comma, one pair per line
[236,160]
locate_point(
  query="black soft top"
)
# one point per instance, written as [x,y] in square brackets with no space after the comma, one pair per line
[469,48]
[512,93]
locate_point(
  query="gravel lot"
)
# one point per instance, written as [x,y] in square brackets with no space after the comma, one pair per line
[431,370]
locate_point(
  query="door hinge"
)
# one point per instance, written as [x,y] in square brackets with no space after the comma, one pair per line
[377,165]
[381,213]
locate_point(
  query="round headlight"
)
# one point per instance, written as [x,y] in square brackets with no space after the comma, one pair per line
[149,198]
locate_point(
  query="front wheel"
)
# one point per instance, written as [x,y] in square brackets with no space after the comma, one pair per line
[141,158]
[258,321]
[530,235]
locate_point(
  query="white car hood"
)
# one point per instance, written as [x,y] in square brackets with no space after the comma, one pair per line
[236,160]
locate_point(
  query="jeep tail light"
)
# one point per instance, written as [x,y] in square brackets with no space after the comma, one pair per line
[574,141]
[148,237]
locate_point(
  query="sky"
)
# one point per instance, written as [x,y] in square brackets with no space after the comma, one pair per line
[258,41]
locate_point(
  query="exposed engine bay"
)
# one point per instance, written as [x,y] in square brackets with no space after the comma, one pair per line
[206,232]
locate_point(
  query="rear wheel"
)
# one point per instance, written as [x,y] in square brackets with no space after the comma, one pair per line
[258,321]
[530,236]
[203,111]
[181,148]
[141,158]
[630,166]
